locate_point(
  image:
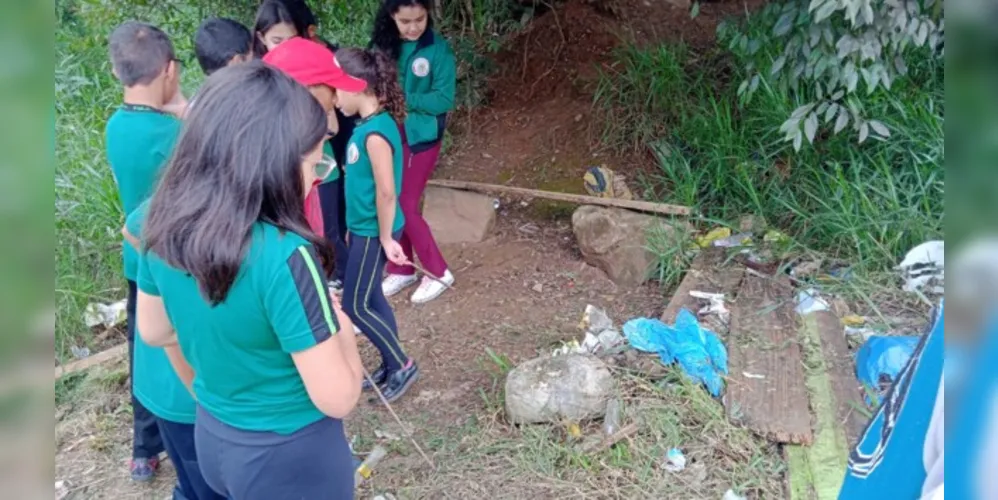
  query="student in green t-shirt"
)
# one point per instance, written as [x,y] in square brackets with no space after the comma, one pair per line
[164,393]
[139,137]
[233,275]
[403,29]
[373,173]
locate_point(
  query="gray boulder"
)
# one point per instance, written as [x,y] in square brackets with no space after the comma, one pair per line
[572,387]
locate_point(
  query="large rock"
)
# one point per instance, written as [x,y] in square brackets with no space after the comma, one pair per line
[571,387]
[456,216]
[616,241]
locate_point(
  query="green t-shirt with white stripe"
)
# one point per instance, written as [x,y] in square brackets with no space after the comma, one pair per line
[241,349]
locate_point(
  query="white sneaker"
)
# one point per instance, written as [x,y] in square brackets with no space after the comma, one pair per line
[395,283]
[430,288]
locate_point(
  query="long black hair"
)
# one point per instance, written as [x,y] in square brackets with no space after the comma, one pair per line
[270,14]
[385,35]
[235,165]
[381,74]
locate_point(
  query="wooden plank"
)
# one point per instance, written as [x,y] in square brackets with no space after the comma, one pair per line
[708,273]
[118,351]
[842,375]
[640,206]
[766,390]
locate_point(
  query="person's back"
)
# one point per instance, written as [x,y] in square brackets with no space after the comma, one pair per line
[257,387]
[139,138]
[233,275]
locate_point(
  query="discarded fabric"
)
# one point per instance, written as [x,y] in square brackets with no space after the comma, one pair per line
[697,350]
[104,314]
[879,361]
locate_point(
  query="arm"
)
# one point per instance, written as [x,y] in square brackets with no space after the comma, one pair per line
[181,366]
[130,238]
[383,167]
[348,339]
[152,322]
[305,322]
[440,98]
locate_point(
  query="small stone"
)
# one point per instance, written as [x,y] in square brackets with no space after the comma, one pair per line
[578,117]
[538,287]
[570,387]
[486,156]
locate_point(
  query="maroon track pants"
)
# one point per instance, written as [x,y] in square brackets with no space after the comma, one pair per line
[416,236]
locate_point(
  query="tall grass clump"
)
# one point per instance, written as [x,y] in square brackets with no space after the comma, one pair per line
[865,203]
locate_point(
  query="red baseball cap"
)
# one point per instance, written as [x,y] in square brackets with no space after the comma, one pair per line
[310,63]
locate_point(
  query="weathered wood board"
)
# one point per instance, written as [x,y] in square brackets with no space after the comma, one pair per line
[766,388]
[708,273]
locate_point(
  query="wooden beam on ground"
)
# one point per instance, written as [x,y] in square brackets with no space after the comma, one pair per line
[640,206]
[816,471]
[766,389]
[116,352]
[708,273]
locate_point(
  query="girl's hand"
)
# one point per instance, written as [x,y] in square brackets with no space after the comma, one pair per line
[394,252]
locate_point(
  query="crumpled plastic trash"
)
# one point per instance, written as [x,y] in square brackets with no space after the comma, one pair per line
[713,235]
[880,359]
[735,240]
[715,305]
[698,351]
[924,265]
[605,340]
[104,314]
[595,320]
[731,495]
[675,461]
[809,301]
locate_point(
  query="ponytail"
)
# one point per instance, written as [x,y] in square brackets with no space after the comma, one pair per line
[379,71]
[387,87]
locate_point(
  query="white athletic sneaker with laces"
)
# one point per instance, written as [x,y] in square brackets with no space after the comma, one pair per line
[395,283]
[430,288]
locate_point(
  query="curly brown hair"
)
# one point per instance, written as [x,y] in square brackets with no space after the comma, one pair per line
[379,71]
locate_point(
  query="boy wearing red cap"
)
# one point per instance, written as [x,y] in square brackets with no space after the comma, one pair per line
[312,65]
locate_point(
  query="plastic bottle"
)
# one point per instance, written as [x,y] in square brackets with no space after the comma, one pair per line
[611,422]
[366,467]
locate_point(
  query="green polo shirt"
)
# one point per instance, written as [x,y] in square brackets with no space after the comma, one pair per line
[240,349]
[139,142]
[361,192]
[154,381]
[428,73]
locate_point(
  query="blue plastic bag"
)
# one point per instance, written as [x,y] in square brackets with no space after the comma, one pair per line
[698,351]
[881,359]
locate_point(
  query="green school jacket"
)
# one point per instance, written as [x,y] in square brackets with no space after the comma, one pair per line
[429,75]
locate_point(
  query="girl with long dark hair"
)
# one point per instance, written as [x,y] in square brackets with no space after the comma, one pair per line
[232,284]
[276,22]
[373,173]
[404,30]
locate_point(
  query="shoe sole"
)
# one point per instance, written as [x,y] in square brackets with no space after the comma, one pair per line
[431,297]
[405,389]
[396,292]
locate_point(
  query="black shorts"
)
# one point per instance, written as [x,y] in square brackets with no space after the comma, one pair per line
[313,463]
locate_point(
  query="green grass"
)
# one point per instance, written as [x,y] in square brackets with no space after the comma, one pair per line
[87,209]
[866,204]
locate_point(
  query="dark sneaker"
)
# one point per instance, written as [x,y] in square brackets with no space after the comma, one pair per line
[399,381]
[144,469]
[380,376]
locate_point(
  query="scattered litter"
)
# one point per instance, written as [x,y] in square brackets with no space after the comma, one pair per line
[570,347]
[529,228]
[104,314]
[862,332]
[611,421]
[731,495]
[806,268]
[595,320]
[697,350]
[603,182]
[880,359]
[79,352]
[735,240]
[924,266]
[808,301]
[604,341]
[386,496]
[853,320]
[713,235]
[574,430]
[386,435]
[366,467]
[777,237]
[538,287]
[716,305]
[496,204]
[753,375]
[675,461]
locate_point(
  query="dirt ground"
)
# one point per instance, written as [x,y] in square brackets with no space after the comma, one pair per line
[518,294]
